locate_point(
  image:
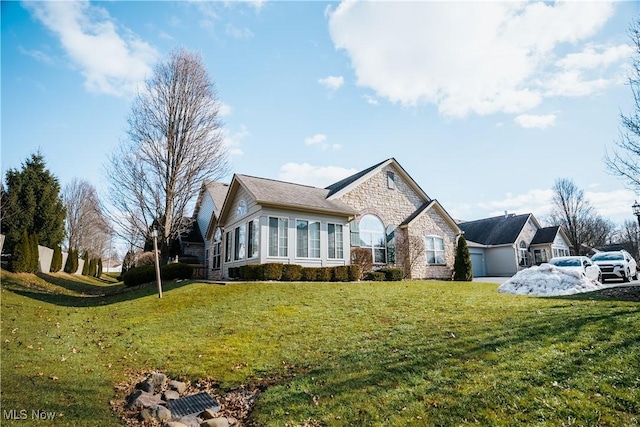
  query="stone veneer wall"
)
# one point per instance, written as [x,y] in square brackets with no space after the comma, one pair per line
[432,224]
[393,206]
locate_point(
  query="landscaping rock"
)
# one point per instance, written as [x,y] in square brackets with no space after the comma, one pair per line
[190,421]
[157,412]
[215,422]
[158,380]
[171,395]
[145,386]
[209,413]
[178,386]
[142,399]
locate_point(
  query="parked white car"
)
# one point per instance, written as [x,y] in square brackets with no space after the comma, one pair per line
[616,265]
[581,264]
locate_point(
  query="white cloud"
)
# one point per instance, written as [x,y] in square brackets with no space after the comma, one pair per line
[317,176]
[534,201]
[224,109]
[36,54]
[332,82]
[233,141]
[371,99]
[596,56]
[475,57]
[612,205]
[320,140]
[112,59]
[238,33]
[535,121]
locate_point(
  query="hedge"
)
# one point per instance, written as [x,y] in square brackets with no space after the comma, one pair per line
[139,275]
[273,271]
[392,274]
[291,272]
[341,273]
[376,276]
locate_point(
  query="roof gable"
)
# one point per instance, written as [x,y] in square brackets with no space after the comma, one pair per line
[343,186]
[426,207]
[500,230]
[285,195]
[545,235]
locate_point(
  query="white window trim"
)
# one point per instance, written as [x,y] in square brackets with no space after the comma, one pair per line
[279,218]
[434,250]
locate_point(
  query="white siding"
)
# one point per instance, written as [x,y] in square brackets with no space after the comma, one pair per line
[501,261]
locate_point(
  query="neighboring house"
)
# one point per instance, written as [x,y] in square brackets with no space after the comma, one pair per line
[381,209]
[503,245]
[206,214]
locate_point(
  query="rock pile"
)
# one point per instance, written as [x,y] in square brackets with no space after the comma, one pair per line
[159,401]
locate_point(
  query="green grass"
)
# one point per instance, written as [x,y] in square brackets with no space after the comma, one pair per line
[340,354]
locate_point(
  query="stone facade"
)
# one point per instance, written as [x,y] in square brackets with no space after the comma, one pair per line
[395,205]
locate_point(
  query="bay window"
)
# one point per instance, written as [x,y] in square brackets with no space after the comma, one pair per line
[336,245]
[278,239]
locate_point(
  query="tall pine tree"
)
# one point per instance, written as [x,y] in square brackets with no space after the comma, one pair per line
[32,202]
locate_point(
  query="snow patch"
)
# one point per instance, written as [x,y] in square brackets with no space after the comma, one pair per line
[548,280]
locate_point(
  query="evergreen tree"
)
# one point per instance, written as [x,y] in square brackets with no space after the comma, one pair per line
[72,262]
[21,259]
[85,266]
[93,267]
[34,259]
[99,272]
[32,202]
[56,261]
[462,268]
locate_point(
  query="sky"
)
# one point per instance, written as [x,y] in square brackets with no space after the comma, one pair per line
[484,104]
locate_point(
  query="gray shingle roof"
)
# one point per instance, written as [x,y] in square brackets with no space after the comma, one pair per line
[287,194]
[334,188]
[494,231]
[218,192]
[545,235]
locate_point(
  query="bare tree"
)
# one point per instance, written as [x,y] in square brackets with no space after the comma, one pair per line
[625,159]
[581,223]
[410,249]
[86,224]
[175,143]
[629,237]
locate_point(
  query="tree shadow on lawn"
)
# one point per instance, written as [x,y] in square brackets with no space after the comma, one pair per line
[79,285]
[114,296]
[446,379]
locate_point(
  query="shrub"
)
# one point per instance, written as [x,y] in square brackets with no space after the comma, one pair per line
[273,271]
[21,258]
[362,257]
[462,268]
[376,276]
[355,273]
[178,270]
[255,272]
[71,266]
[85,266]
[309,274]
[146,258]
[340,273]
[138,275]
[392,274]
[291,272]
[234,272]
[35,255]
[325,274]
[56,260]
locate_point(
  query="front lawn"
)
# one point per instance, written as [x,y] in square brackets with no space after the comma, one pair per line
[335,354]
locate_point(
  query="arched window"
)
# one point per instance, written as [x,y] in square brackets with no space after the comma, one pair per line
[372,235]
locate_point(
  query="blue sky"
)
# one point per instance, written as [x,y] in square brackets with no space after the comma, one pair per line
[484,104]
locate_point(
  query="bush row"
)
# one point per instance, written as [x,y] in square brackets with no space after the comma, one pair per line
[147,273]
[385,274]
[295,272]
